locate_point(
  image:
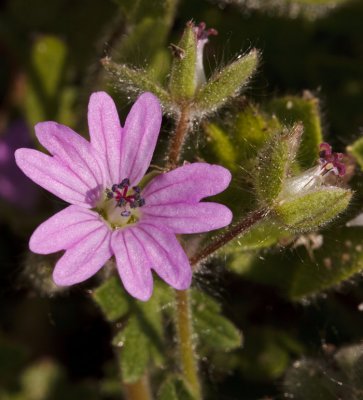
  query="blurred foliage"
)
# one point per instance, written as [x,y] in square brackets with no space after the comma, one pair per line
[287,292]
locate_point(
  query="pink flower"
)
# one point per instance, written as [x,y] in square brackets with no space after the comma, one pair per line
[109,214]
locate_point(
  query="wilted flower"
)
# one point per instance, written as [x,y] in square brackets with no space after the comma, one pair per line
[109,214]
[202,34]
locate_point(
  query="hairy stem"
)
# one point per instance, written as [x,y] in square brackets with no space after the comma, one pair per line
[184,332]
[231,233]
[139,390]
[178,139]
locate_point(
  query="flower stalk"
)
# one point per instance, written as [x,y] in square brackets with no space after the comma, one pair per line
[231,233]
[178,139]
[184,332]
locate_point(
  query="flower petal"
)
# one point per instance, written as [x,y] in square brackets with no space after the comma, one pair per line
[71,149]
[64,229]
[132,263]
[56,177]
[189,184]
[84,259]
[166,256]
[189,218]
[105,133]
[139,137]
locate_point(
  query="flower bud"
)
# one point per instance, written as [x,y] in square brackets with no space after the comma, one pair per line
[182,82]
[273,164]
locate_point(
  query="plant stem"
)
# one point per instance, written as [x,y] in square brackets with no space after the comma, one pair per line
[178,139]
[139,390]
[231,233]
[184,332]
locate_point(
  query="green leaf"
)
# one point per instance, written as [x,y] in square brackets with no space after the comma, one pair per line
[262,235]
[268,353]
[291,110]
[135,81]
[221,144]
[234,143]
[182,83]
[141,340]
[243,251]
[112,299]
[350,361]
[310,9]
[274,162]
[45,97]
[135,355]
[310,379]
[12,358]
[39,380]
[148,24]
[331,265]
[226,83]
[315,265]
[215,332]
[314,208]
[175,388]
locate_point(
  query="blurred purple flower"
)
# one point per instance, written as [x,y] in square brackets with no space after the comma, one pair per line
[14,187]
[109,214]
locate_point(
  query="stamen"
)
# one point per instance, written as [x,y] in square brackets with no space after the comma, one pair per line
[125,201]
[330,161]
[203,33]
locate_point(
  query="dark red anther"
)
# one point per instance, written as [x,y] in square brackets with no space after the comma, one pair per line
[331,161]
[203,33]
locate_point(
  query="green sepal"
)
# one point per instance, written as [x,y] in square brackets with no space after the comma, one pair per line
[226,83]
[356,149]
[291,110]
[112,299]
[312,209]
[136,81]
[182,83]
[175,388]
[215,332]
[274,162]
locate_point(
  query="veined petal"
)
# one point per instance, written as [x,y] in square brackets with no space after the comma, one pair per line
[139,137]
[72,150]
[189,184]
[132,263]
[84,259]
[189,218]
[105,132]
[166,256]
[56,177]
[64,229]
